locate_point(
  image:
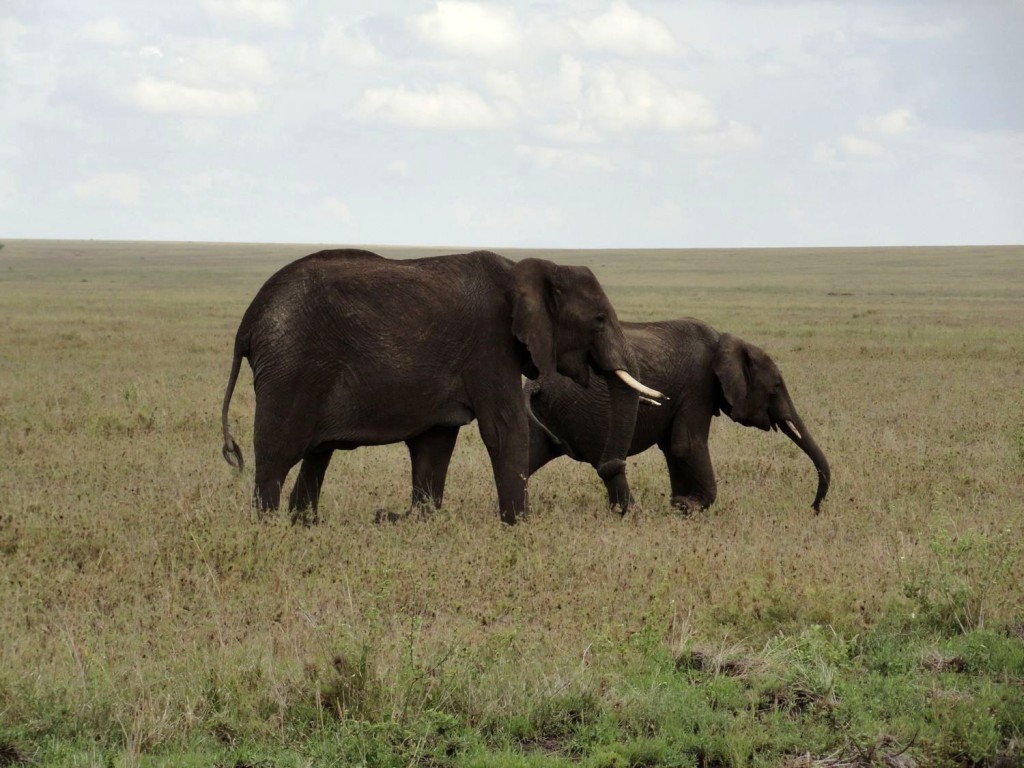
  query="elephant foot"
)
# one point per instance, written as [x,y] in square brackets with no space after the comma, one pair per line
[687,505]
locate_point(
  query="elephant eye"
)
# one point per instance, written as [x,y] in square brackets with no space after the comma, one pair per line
[601,319]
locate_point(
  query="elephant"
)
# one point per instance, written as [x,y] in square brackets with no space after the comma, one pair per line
[348,348]
[702,373]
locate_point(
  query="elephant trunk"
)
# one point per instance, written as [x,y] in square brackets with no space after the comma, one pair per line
[613,355]
[614,359]
[622,411]
[796,431]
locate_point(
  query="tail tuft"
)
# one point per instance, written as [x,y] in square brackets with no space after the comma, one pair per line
[233,454]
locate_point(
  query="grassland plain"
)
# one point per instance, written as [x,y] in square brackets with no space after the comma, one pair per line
[147,619]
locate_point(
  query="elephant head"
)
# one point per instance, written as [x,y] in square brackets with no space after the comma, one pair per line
[568,326]
[754,394]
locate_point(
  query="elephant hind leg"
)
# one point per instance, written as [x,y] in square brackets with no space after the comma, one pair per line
[305,497]
[266,492]
[274,459]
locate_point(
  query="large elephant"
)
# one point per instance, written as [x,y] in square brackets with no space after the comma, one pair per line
[348,348]
[702,372]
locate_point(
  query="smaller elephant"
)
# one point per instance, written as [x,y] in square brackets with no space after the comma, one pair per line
[703,373]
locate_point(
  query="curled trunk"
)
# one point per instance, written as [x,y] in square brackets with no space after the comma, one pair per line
[614,360]
[797,431]
[622,412]
[623,404]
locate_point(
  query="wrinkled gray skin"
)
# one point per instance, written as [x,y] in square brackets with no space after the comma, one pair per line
[348,348]
[702,372]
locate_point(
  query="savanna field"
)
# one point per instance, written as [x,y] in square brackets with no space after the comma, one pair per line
[148,619]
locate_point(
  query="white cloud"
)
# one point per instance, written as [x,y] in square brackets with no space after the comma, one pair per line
[733,137]
[565,159]
[473,217]
[859,146]
[635,99]
[847,149]
[965,188]
[398,169]
[892,123]
[8,189]
[797,216]
[570,77]
[109,31]
[444,106]
[349,43]
[825,154]
[165,96]
[120,188]
[11,33]
[336,208]
[273,13]
[1003,149]
[894,30]
[668,213]
[198,183]
[572,131]
[470,28]
[508,87]
[200,131]
[625,31]
[218,62]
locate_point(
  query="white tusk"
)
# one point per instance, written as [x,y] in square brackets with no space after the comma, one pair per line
[795,430]
[648,400]
[632,383]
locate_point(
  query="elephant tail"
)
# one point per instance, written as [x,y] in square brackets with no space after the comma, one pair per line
[232,453]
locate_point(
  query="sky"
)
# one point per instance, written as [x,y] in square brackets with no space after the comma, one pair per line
[575,124]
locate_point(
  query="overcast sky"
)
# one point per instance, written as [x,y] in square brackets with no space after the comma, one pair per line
[639,123]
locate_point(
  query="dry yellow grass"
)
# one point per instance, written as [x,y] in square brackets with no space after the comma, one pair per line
[132,573]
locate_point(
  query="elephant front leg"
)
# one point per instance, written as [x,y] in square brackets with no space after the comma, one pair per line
[507,441]
[693,480]
[430,453]
[305,495]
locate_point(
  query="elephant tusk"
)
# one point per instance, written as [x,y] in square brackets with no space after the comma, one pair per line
[632,383]
[649,401]
[796,431]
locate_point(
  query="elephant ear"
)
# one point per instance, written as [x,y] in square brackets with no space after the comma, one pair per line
[533,311]
[738,366]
